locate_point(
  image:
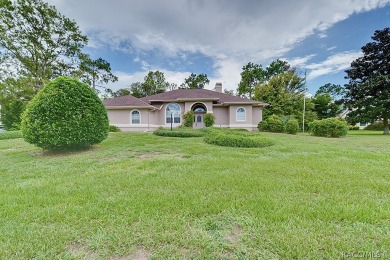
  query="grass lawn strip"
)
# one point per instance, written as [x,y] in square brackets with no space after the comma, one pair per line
[138,194]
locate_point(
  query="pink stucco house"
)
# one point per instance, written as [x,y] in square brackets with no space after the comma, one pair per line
[149,113]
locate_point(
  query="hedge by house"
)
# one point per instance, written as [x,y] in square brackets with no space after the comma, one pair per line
[330,127]
[209,120]
[272,124]
[236,138]
[180,132]
[65,114]
[188,119]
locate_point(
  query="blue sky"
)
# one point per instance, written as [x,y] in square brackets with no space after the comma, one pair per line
[218,37]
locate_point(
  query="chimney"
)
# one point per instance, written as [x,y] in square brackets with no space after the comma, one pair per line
[218,87]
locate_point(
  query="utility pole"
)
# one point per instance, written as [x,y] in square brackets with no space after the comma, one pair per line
[304,106]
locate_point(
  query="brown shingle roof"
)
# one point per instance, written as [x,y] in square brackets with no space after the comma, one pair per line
[180,95]
[125,101]
[189,94]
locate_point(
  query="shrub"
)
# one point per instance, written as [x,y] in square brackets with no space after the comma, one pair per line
[272,124]
[65,114]
[11,115]
[188,119]
[377,126]
[209,120]
[180,132]
[292,126]
[236,139]
[113,128]
[353,127]
[11,135]
[330,127]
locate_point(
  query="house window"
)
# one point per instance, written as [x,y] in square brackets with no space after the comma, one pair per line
[172,112]
[135,117]
[240,114]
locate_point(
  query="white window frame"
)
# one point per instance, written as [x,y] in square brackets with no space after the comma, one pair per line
[131,117]
[173,118]
[240,120]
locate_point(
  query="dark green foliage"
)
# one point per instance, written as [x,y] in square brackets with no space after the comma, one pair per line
[377,126]
[330,127]
[42,42]
[11,115]
[292,126]
[195,81]
[65,114]
[209,119]
[236,138]
[180,132]
[251,75]
[188,119]
[113,128]
[272,124]
[335,91]
[11,135]
[94,72]
[355,127]
[325,106]
[154,83]
[368,90]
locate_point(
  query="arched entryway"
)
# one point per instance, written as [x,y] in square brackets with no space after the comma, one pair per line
[199,110]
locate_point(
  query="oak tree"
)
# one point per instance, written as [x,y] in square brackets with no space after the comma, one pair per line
[368,90]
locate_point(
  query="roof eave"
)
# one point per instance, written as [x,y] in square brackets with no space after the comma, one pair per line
[130,107]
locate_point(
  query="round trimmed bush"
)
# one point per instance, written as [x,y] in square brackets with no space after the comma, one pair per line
[330,127]
[292,126]
[65,114]
[113,129]
[272,124]
[237,139]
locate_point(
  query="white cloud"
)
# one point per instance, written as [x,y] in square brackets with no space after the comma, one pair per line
[300,61]
[231,32]
[333,64]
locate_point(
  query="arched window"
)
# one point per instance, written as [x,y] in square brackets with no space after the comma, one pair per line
[135,117]
[199,108]
[240,114]
[172,112]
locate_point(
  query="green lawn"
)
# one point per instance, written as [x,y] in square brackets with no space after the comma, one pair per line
[140,195]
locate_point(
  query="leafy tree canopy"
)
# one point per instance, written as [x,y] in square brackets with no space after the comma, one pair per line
[335,91]
[109,93]
[37,40]
[195,81]
[95,72]
[154,83]
[253,75]
[368,90]
[325,106]
[40,44]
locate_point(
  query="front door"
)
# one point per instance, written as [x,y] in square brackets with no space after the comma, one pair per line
[198,121]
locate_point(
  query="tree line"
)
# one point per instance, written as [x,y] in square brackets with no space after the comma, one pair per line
[38,44]
[366,96]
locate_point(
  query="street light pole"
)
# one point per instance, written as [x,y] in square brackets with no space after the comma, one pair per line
[171,120]
[304,107]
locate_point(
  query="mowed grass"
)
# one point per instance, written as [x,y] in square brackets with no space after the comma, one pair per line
[140,195]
